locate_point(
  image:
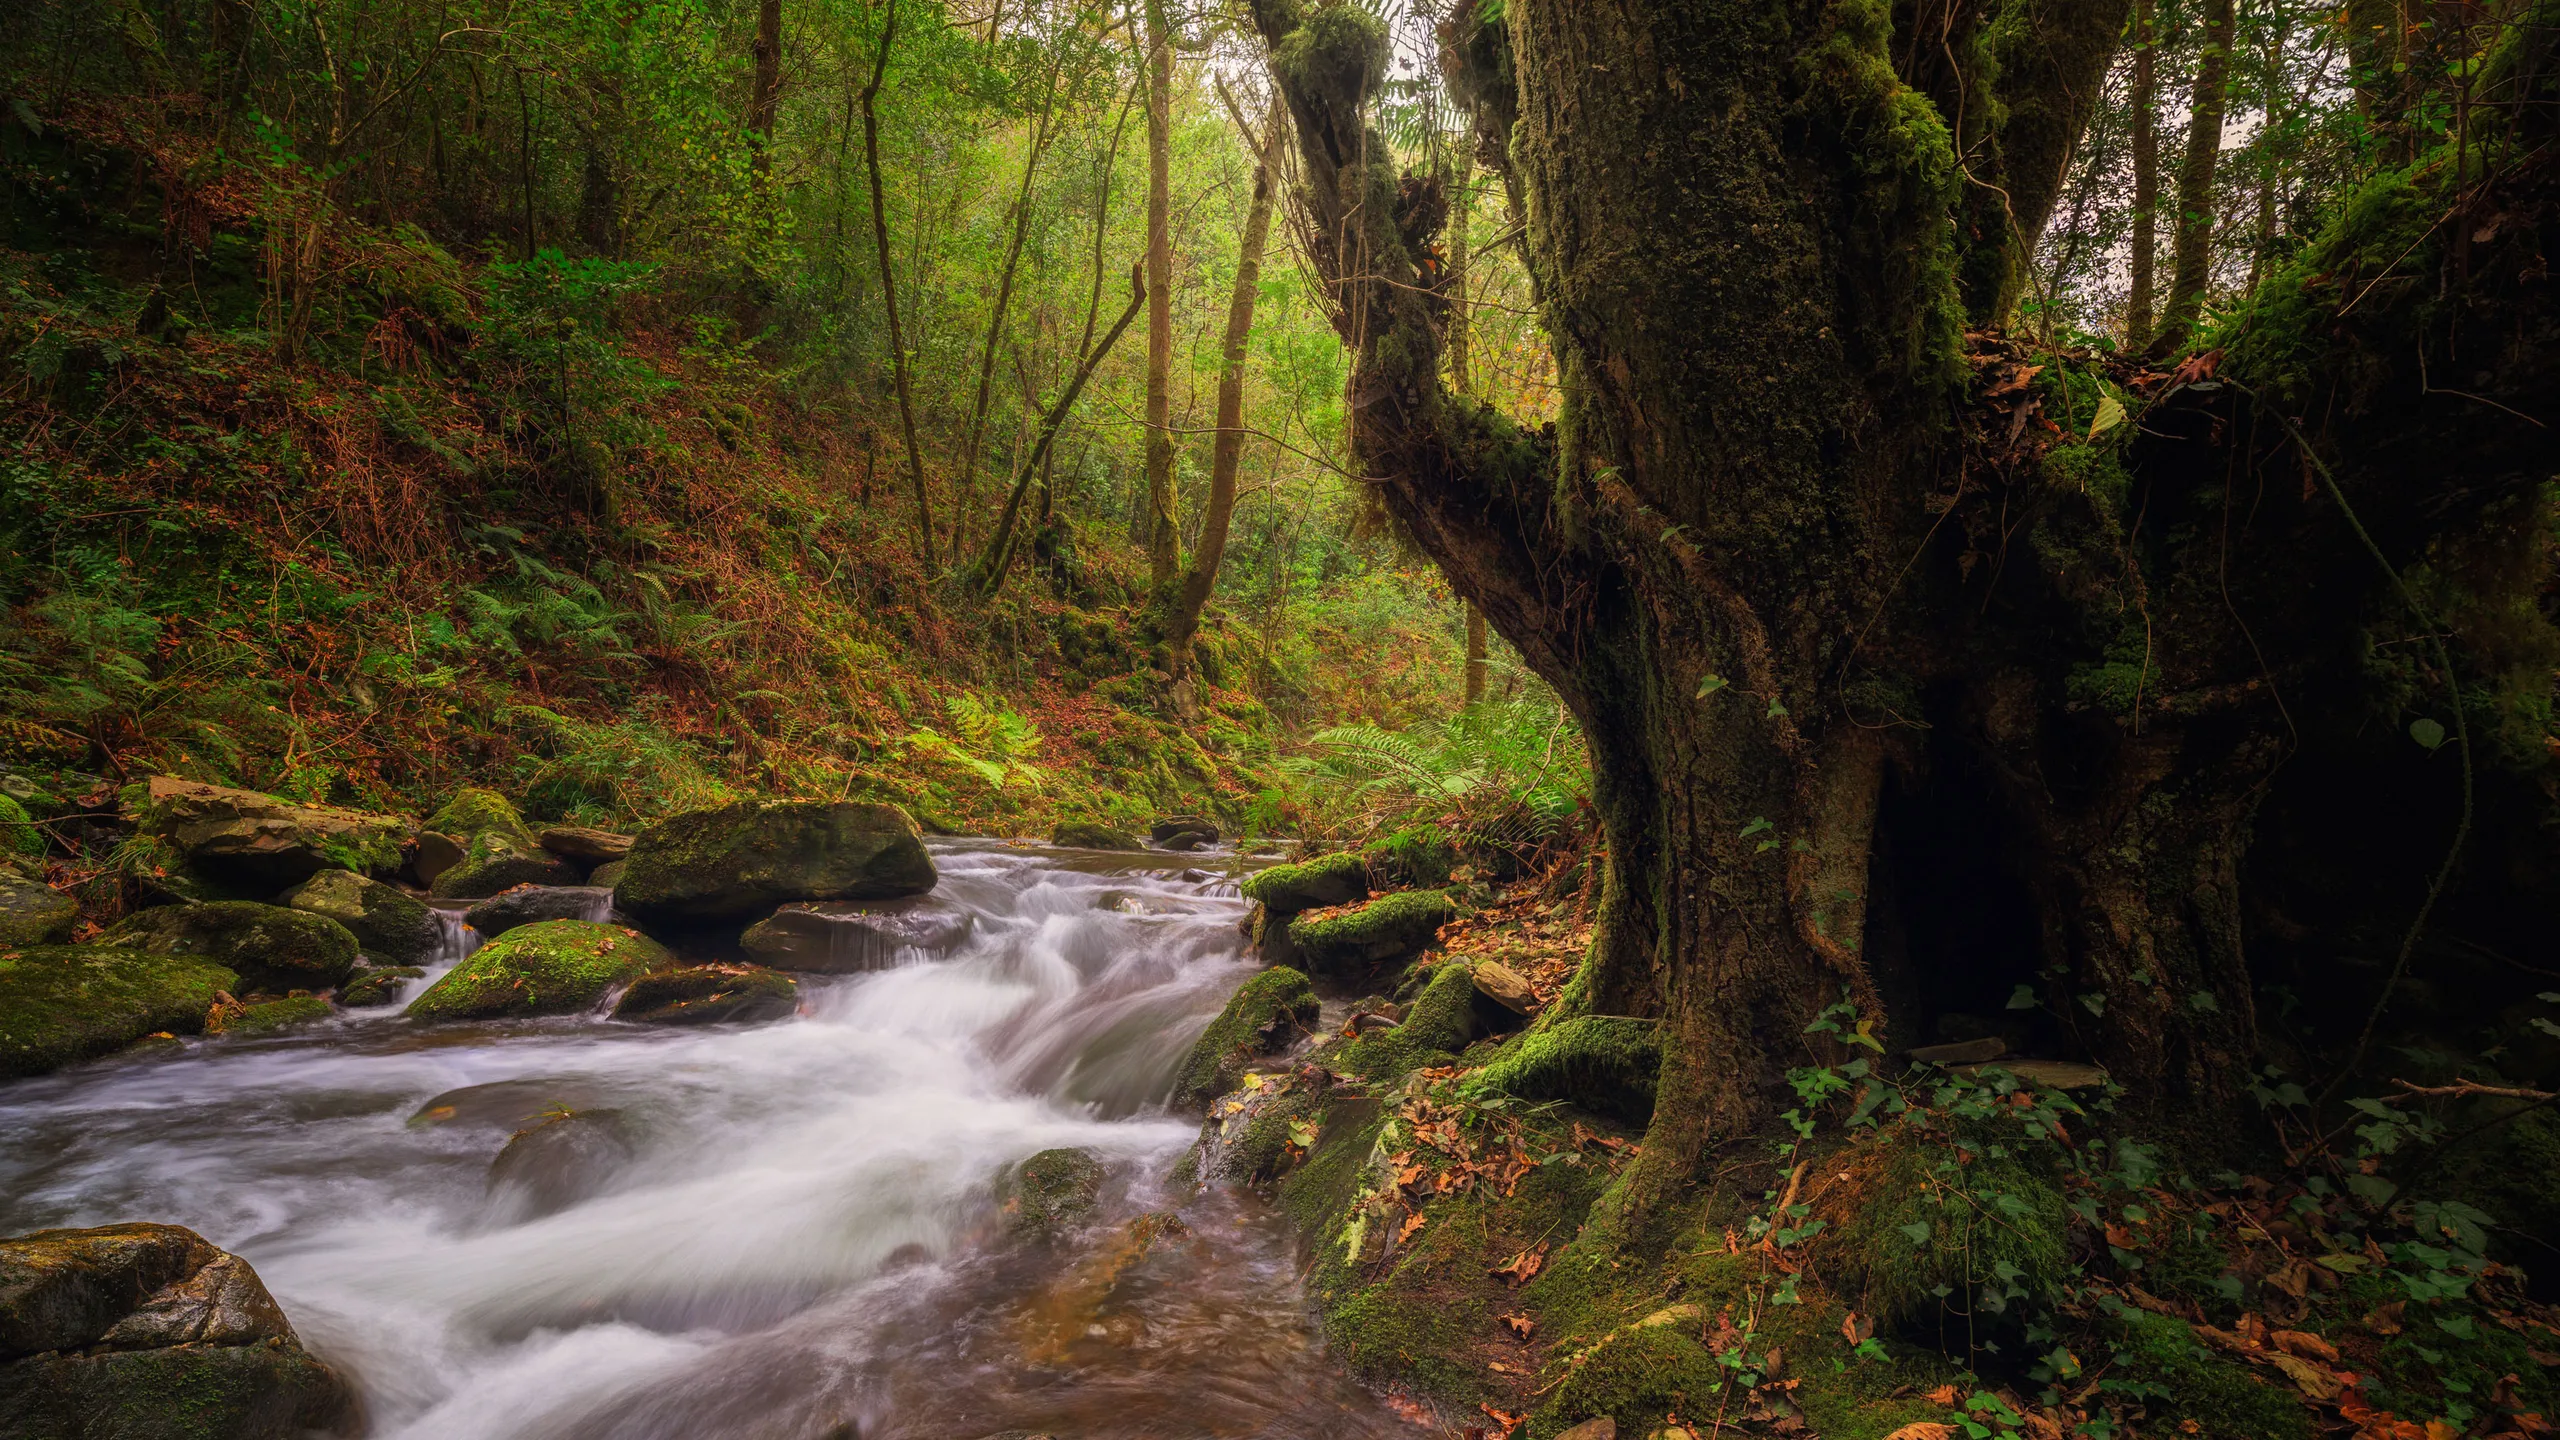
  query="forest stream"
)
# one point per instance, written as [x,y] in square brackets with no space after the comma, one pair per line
[790,1231]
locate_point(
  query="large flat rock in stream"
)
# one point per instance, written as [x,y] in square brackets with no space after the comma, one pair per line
[738,861]
[264,842]
[146,1332]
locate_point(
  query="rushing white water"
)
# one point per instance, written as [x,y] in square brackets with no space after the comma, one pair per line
[801,1240]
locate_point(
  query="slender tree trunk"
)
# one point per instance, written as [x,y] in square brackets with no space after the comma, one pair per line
[1182,619]
[765,104]
[997,562]
[2146,177]
[2191,243]
[1461,326]
[1476,665]
[2271,141]
[889,288]
[1164,537]
[1039,145]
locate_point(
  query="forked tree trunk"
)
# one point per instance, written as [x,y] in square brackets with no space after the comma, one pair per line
[1745,251]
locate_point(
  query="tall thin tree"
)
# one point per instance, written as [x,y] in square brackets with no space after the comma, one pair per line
[2146,177]
[1164,536]
[2191,242]
[889,288]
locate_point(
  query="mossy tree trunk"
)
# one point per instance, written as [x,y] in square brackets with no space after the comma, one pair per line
[1749,237]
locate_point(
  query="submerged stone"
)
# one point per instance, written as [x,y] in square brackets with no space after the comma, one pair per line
[1051,1192]
[146,1332]
[728,863]
[570,1156]
[60,1004]
[548,968]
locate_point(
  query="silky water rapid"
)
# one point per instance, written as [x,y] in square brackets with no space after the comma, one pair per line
[787,1231]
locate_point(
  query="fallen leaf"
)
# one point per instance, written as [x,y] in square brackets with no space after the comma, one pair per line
[1926,1429]
[2385,1319]
[1523,1267]
[1509,1422]
[1521,1325]
[2306,1345]
[1943,1395]
[1411,1223]
[1856,1328]
[2310,1379]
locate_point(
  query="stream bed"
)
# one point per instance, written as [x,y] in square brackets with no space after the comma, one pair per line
[791,1231]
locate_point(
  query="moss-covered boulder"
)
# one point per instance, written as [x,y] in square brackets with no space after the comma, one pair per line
[273,1015]
[1284,890]
[728,863]
[1092,835]
[60,1004]
[371,989]
[146,1332]
[1183,832]
[1391,927]
[273,948]
[494,862]
[18,833]
[1265,1014]
[551,968]
[34,913]
[1440,1023]
[710,995]
[1052,1192]
[532,904]
[1606,1064]
[473,811]
[608,874]
[262,842]
[391,926]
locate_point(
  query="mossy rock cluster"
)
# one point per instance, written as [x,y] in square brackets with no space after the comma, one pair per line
[391,926]
[1052,1192]
[60,1004]
[1606,1064]
[555,967]
[735,861]
[146,1332]
[498,851]
[1391,927]
[274,949]
[260,842]
[709,995]
[1265,1014]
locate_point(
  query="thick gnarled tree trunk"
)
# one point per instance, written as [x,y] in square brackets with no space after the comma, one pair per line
[1755,245]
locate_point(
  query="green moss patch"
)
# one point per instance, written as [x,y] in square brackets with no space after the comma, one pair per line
[1335,879]
[274,949]
[543,969]
[1390,927]
[1606,1064]
[18,834]
[65,1003]
[477,812]
[274,1015]
[34,913]
[391,926]
[1924,1229]
[2223,1398]
[1263,1016]
[1440,1023]
[1052,1191]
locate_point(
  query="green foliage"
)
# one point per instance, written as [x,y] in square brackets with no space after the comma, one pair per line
[1604,1063]
[18,834]
[989,740]
[1502,777]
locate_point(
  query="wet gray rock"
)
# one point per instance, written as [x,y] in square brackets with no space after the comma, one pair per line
[1052,1192]
[1183,832]
[584,846]
[532,904]
[262,842]
[34,913]
[710,995]
[569,1157]
[1092,835]
[146,1332]
[845,937]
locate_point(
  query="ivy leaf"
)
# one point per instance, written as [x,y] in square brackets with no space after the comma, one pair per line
[2094,1003]
[2427,733]
[2203,1000]
[1711,685]
[2023,998]
[1758,824]
[1918,1230]
[1775,709]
